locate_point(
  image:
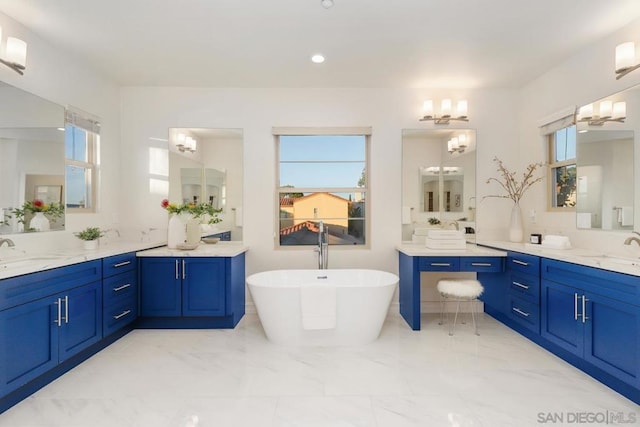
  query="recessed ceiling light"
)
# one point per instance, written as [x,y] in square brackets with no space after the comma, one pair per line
[317,58]
[326,3]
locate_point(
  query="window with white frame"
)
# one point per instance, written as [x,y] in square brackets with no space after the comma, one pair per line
[562,168]
[322,176]
[82,141]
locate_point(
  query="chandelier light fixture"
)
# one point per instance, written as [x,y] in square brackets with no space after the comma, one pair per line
[15,54]
[447,112]
[608,111]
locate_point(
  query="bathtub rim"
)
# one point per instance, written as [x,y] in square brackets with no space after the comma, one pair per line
[250,280]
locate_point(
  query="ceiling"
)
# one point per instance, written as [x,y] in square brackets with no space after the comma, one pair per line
[367,43]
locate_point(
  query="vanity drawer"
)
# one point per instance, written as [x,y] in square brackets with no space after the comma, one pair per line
[119,315]
[117,287]
[523,263]
[485,264]
[439,264]
[525,313]
[525,286]
[118,264]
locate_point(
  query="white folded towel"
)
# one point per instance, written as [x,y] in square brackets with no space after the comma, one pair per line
[406,215]
[625,216]
[318,306]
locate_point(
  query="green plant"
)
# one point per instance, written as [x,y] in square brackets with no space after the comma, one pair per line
[55,210]
[89,233]
[434,221]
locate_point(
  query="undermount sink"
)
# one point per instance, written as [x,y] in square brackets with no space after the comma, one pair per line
[608,259]
[27,261]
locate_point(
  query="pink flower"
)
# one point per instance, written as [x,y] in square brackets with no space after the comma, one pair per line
[164,203]
[38,203]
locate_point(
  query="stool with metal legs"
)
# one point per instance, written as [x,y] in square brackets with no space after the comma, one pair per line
[459,290]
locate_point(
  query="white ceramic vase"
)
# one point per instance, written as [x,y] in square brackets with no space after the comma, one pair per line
[176,231]
[516,229]
[39,222]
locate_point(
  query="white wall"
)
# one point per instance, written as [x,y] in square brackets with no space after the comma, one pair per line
[149,112]
[581,79]
[65,80]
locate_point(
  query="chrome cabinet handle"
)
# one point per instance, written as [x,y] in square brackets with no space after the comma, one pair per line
[121,264]
[58,321]
[584,309]
[119,288]
[119,316]
[440,264]
[481,264]
[66,309]
[177,276]
[520,285]
[184,270]
[517,261]
[517,310]
[575,306]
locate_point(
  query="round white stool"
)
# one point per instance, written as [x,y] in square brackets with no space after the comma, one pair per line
[459,290]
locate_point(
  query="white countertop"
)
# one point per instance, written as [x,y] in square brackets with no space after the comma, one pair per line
[220,249]
[419,249]
[581,256]
[24,263]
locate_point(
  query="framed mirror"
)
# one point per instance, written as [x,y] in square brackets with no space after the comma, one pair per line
[32,160]
[438,180]
[206,166]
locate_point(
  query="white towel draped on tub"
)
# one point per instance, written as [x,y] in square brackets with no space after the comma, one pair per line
[318,306]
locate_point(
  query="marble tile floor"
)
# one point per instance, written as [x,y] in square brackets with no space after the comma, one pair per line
[228,378]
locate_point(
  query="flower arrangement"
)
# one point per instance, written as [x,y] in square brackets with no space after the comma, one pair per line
[55,210]
[198,210]
[90,233]
[515,189]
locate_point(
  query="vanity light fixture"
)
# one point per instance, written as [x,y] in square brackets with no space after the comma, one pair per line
[186,143]
[15,54]
[457,144]
[608,112]
[625,59]
[446,113]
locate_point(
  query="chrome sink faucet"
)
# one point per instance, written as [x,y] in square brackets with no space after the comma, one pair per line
[628,240]
[9,242]
[323,246]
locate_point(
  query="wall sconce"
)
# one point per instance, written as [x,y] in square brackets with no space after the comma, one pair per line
[186,143]
[15,54]
[608,112]
[625,59]
[446,113]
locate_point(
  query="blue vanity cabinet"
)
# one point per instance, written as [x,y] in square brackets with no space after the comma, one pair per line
[46,318]
[174,287]
[523,303]
[120,292]
[595,315]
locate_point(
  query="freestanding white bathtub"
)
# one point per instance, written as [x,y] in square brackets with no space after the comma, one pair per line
[362,299]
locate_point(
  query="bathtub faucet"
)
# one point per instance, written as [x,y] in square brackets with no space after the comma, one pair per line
[323,246]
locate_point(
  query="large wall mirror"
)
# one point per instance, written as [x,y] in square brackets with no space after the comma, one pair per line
[32,164]
[605,158]
[438,180]
[206,166]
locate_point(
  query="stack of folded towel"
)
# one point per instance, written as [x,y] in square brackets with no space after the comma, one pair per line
[556,242]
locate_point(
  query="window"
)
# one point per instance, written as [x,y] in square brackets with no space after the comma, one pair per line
[81,147]
[562,167]
[322,177]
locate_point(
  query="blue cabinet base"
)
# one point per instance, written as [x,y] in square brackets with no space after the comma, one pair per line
[610,381]
[31,387]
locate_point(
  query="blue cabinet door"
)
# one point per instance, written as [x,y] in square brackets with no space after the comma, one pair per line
[203,287]
[612,337]
[81,323]
[160,287]
[561,311]
[28,342]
